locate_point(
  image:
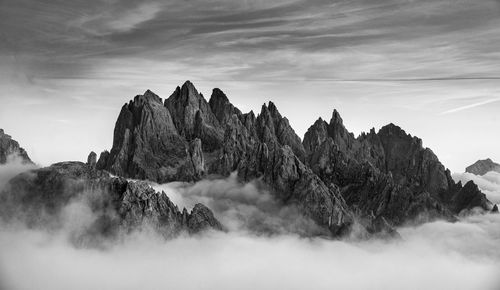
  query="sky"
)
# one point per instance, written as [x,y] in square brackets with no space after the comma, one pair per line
[432,67]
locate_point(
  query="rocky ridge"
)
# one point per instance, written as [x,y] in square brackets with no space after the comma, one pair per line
[38,197]
[381,179]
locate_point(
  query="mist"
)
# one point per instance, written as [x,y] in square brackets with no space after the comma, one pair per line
[264,248]
[488,183]
[13,167]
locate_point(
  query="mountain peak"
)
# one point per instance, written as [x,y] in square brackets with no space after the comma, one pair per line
[193,116]
[188,84]
[221,107]
[185,94]
[151,97]
[336,119]
[481,167]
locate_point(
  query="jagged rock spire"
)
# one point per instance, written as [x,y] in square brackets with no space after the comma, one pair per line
[193,116]
[146,143]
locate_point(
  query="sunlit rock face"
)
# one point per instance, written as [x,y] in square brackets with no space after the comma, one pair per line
[380,179]
[9,147]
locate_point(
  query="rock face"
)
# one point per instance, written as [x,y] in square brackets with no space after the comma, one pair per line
[9,147]
[481,167]
[381,179]
[147,144]
[387,175]
[40,195]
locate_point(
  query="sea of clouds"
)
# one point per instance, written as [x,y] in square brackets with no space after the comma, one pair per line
[266,247]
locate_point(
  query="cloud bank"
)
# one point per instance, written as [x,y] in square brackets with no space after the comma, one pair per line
[263,249]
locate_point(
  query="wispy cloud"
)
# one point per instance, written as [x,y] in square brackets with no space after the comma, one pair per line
[335,39]
[470,106]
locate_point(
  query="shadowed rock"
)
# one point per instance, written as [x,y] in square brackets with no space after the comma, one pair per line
[9,147]
[387,174]
[39,196]
[147,145]
[382,178]
[193,117]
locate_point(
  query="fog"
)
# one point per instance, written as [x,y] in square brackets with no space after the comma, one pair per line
[489,183]
[13,167]
[264,248]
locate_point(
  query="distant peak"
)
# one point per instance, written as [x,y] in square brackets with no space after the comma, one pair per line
[481,167]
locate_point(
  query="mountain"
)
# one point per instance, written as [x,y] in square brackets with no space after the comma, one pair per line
[9,147]
[481,167]
[378,180]
[190,141]
[387,175]
[39,196]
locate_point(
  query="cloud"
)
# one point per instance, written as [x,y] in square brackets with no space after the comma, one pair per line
[435,256]
[248,208]
[13,167]
[488,183]
[405,39]
[114,20]
[470,106]
[438,255]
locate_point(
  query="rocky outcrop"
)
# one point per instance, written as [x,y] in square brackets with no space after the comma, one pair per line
[38,196]
[275,130]
[10,147]
[193,117]
[387,174]
[481,167]
[202,218]
[147,145]
[221,107]
[216,138]
[382,178]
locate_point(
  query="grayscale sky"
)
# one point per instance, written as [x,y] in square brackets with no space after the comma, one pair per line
[432,67]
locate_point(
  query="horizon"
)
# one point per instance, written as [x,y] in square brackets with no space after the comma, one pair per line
[25,138]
